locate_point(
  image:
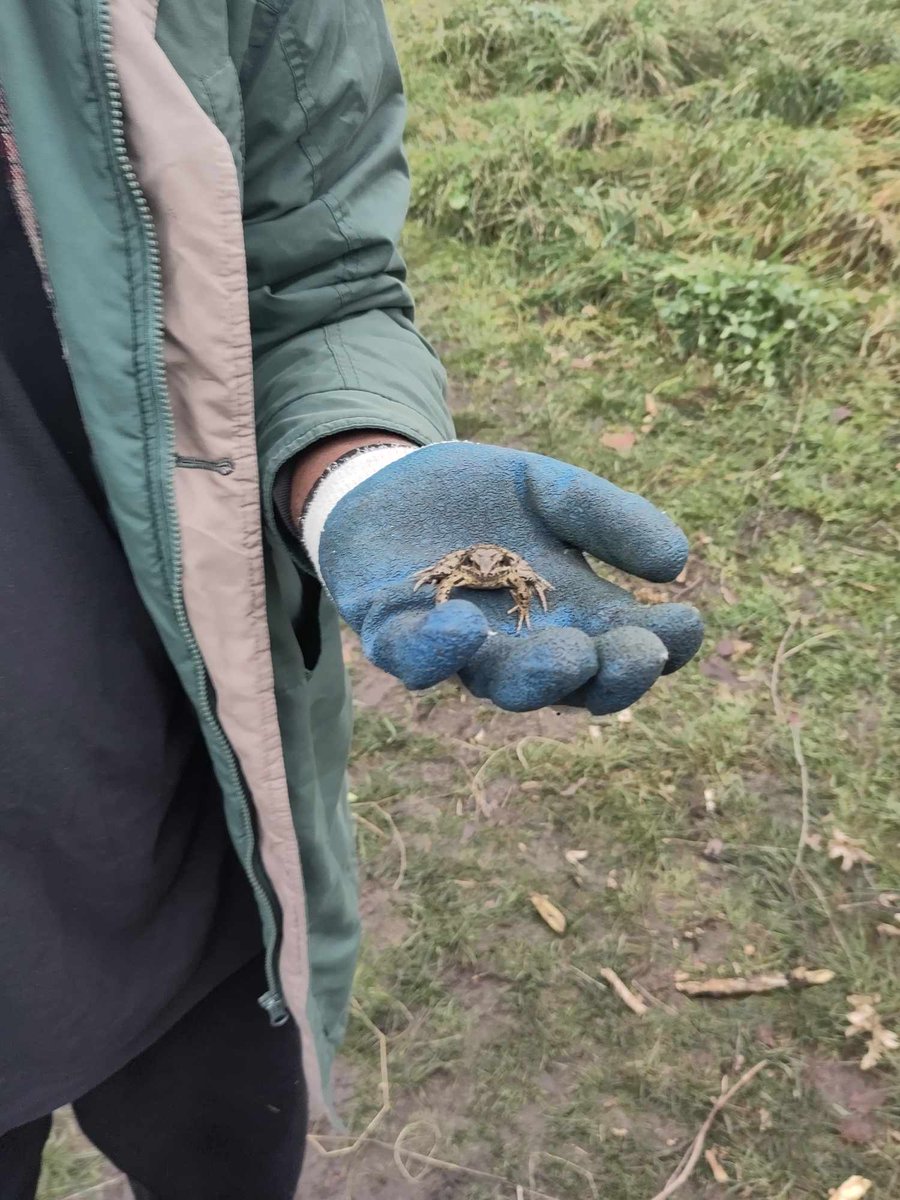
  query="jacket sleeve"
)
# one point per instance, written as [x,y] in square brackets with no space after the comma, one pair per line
[326,189]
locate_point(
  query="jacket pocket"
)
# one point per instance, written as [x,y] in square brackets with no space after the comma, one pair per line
[307,624]
[220,96]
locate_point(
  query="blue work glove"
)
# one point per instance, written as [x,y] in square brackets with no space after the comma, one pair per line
[593,647]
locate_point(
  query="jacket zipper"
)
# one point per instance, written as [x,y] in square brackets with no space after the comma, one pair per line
[273,1000]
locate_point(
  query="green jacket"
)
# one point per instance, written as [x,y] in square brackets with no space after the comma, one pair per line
[215,189]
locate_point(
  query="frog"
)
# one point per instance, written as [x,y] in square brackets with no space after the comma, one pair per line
[488,567]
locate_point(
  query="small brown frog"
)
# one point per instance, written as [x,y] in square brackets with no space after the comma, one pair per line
[491,568]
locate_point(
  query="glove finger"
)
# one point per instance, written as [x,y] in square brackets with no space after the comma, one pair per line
[678,626]
[631,660]
[525,673]
[618,527]
[423,647]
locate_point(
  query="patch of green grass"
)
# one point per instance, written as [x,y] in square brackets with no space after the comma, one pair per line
[582,242]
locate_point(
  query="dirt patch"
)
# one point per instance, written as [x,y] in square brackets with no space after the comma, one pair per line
[852,1096]
[450,714]
[383,923]
[370,1174]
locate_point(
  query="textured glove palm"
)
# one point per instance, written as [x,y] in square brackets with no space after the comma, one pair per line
[595,646]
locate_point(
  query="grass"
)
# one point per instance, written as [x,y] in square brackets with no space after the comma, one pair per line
[698,203]
[694,202]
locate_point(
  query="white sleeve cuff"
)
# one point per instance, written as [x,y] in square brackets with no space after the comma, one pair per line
[334,486]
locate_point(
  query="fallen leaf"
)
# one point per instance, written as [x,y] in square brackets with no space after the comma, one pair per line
[840,413]
[864,1019]
[590,310]
[754,985]
[814,841]
[571,788]
[733,648]
[548,912]
[765,1120]
[611,882]
[750,950]
[466,884]
[853,1188]
[719,1174]
[849,850]
[556,354]
[715,667]
[682,575]
[890,931]
[624,717]
[651,408]
[621,442]
[889,899]
[727,594]
[576,856]
[650,595]
[619,1132]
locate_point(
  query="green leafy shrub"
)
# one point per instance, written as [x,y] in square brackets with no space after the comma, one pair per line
[753,320]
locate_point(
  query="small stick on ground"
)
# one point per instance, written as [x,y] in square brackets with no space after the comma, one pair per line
[754,985]
[797,741]
[686,1167]
[428,1160]
[384,1088]
[625,994]
[588,978]
[654,1000]
[582,1171]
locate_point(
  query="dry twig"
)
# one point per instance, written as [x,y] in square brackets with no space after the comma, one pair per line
[426,1159]
[384,1088]
[755,985]
[686,1167]
[625,994]
[582,1171]
[799,757]
[654,1000]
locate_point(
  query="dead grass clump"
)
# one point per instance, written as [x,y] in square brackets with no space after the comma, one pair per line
[517,186]
[643,48]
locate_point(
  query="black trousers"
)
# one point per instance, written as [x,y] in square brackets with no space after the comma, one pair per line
[214,1110]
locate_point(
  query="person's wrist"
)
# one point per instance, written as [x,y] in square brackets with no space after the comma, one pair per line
[314,462]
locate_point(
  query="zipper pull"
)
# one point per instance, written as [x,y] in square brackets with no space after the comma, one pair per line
[273,1004]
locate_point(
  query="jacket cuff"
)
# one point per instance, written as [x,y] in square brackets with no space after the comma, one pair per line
[293,431]
[342,477]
